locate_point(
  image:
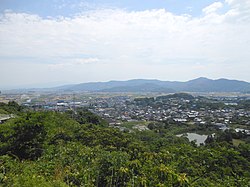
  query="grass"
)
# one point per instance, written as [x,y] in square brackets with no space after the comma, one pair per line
[237,142]
[3,111]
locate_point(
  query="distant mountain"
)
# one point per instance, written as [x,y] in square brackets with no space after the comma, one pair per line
[147,87]
[201,84]
[135,85]
[220,85]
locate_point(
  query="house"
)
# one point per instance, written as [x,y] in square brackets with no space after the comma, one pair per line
[221,126]
[243,130]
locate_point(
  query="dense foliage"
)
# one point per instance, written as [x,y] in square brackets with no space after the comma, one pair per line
[61,149]
[11,107]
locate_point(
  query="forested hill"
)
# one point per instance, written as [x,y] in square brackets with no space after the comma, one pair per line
[152,85]
[79,149]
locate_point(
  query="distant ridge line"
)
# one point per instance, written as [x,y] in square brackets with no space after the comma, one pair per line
[201,84]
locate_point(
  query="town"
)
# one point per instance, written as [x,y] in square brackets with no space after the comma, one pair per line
[140,111]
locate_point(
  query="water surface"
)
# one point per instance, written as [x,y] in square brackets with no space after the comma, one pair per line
[194,136]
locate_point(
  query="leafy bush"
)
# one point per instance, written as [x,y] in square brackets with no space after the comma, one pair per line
[52,149]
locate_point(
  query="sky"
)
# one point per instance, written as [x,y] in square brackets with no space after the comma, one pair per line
[46,43]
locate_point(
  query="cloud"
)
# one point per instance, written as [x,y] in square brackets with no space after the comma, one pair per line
[239,3]
[101,44]
[74,62]
[86,60]
[212,8]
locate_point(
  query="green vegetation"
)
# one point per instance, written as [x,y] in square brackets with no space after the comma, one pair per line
[11,108]
[131,124]
[237,142]
[83,116]
[244,104]
[176,95]
[78,149]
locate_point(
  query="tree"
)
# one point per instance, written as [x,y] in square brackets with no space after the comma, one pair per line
[26,138]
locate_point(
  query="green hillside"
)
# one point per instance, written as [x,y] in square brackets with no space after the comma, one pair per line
[61,149]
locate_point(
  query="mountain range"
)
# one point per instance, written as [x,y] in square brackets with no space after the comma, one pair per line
[201,84]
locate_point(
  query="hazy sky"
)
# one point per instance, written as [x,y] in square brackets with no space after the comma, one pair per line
[53,42]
